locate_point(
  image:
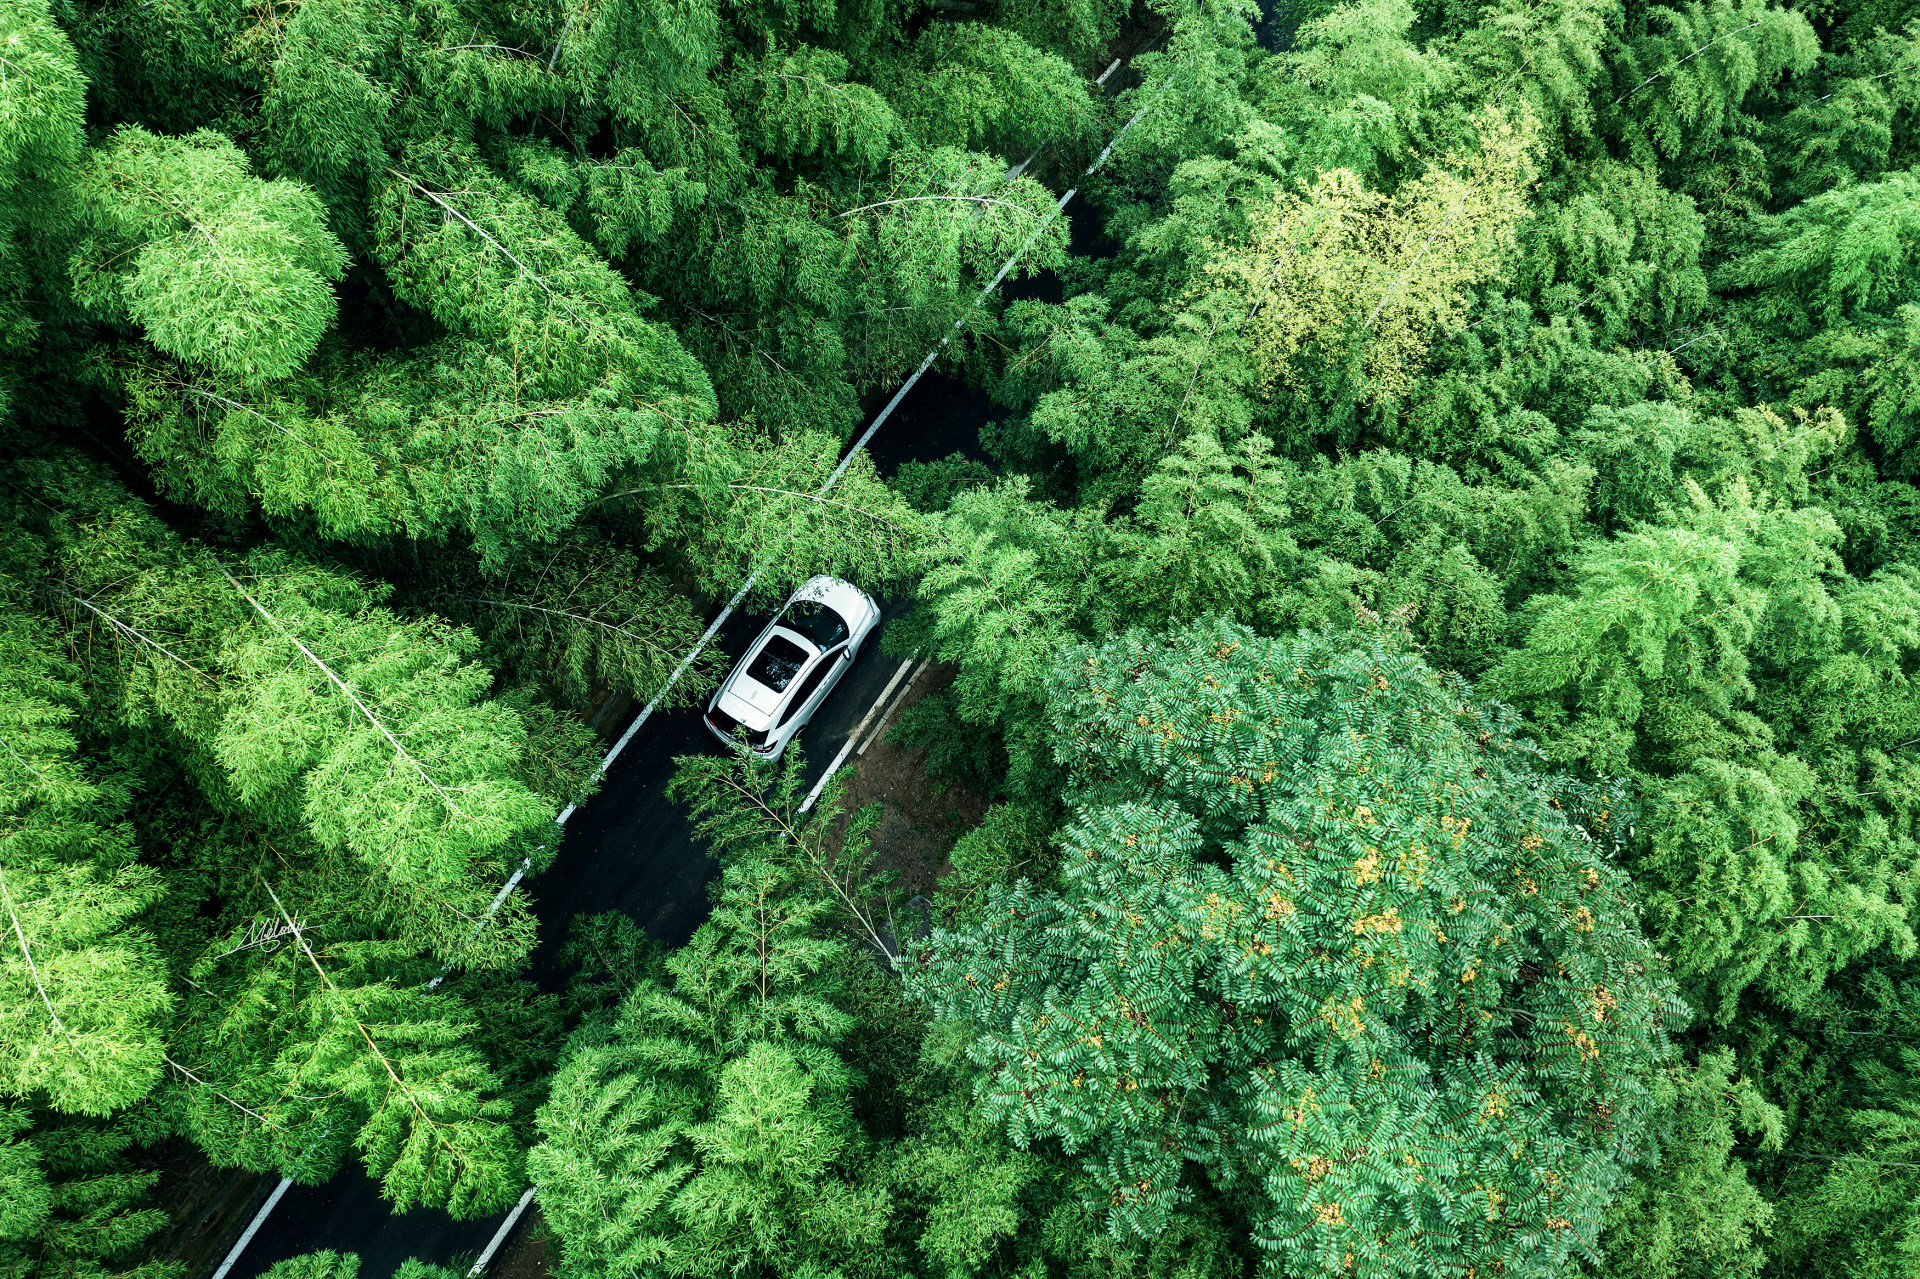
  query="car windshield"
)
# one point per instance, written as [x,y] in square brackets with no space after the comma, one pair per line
[778,663]
[817,622]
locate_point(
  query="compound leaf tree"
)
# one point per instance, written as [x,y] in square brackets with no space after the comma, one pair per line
[1328,937]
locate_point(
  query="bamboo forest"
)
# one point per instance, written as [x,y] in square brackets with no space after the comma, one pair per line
[1386,743]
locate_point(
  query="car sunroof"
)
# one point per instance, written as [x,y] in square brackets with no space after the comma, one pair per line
[778,663]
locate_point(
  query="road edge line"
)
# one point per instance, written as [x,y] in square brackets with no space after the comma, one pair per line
[253,1227]
[879,728]
[500,1235]
[846,746]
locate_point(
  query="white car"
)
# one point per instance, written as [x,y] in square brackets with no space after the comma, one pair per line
[791,668]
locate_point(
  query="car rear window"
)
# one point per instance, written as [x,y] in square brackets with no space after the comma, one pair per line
[816,621]
[778,663]
[727,724]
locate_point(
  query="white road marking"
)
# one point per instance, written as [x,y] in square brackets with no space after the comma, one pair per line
[500,1235]
[884,719]
[240,1245]
[819,786]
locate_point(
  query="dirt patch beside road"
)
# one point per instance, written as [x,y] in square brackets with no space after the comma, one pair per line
[921,816]
[526,1254]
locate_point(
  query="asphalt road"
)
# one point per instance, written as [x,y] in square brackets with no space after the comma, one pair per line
[628,848]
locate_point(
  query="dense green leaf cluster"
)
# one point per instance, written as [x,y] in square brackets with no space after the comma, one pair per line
[303,802]
[1437,608]
[1325,933]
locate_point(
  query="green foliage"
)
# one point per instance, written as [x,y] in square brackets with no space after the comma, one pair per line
[1009,845]
[1314,1014]
[1207,534]
[1189,95]
[402,763]
[28,1197]
[75,1203]
[607,955]
[1682,79]
[396,1065]
[1616,247]
[1697,1213]
[988,88]
[322,1265]
[992,612]
[495,266]
[385,746]
[468,353]
[42,105]
[1840,253]
[769,516]
[1646,478]
[1668,635]
[221,269]
[1343,277]
[327,1264]
[972,754]
[801,104]
[932,486]
[87,998]
[972,1185]
[88,988]
[737,802]
[43,94]
[361,797]
[707,1128]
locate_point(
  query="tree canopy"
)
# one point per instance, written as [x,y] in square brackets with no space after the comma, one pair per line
[1426,608]
[1325,932]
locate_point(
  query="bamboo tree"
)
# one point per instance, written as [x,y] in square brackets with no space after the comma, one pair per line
[87,999]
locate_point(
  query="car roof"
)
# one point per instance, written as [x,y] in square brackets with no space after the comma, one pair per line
[753,703]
